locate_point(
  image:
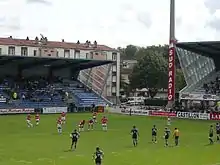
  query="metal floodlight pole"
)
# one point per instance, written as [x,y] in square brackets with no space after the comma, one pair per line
[171,54]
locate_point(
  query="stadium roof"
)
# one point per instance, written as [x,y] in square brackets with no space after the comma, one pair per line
[53,44]
[207,48]
[54,63]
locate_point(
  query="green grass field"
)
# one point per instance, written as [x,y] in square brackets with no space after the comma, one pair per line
[42,145]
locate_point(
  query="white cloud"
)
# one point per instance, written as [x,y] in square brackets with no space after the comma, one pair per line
[114,23]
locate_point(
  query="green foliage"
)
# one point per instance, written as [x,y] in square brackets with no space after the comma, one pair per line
[150,72]
[180,80]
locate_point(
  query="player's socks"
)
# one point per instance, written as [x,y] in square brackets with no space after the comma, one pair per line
[218,138]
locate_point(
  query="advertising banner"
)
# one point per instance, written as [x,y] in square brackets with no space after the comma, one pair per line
[135,112]
[214,116]
[162,113]
[191,96]
[16,111]
[191,115]
[171,73]
[54,110]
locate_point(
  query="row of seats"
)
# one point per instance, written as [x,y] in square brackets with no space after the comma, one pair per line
[45,94]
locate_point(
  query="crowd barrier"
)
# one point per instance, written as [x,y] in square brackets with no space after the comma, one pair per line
[178,114]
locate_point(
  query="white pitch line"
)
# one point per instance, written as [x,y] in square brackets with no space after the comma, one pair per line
[22,161]
[45,159]
[80,155]
[62,157]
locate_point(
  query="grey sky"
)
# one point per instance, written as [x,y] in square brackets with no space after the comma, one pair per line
[115,22]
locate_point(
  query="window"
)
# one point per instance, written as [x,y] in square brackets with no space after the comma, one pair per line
[35,52]
[67,53]
[0,51]
[114,56]
[24,51]
[11,50]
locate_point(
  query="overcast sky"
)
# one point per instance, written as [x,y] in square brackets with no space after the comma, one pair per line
[113,22]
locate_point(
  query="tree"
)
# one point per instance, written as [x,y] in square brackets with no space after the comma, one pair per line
[180,80]
[150,72]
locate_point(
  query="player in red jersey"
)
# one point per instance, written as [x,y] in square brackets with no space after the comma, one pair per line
[81,125]
[94,117]
[59,125]
[91,124]
[104,123]
[37,119]
[63,117]
[28,119]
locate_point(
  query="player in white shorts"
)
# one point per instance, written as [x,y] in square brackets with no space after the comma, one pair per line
[28,119]
[63,117]
[104,123]
[168,121]
[59,125]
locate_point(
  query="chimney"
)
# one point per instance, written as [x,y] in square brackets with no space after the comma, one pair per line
[27,38]
[78,42]
[87,43]
[95,44]
[63,40]
[36,40]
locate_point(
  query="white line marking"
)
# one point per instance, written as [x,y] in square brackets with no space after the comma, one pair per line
[46,159]
[22,161]
[80,155]
[62,157]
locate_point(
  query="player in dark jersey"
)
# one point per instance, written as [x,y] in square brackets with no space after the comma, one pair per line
[98,156]
[211,134]
[218,131]
[166,136]
[74,136]
[135,134]
[154,134]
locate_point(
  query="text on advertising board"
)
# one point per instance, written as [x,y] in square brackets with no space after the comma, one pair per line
[16,111]
[171,74]
[135,112]
[215,116]
[191,115]
[162,113]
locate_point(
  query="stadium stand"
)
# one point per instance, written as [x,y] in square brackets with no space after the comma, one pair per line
[32,82]
[200,62]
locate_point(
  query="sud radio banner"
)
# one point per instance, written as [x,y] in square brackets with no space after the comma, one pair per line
[135,112]
[54,110]
[191,115]
[162,113]
[17,111]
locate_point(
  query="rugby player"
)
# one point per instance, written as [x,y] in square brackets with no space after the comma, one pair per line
[135,134]
[98,156]
[59,125]
[90,124]
[37,119]
[166,136]
[28,119]
[74,136]
[211,134]
[154,134]
[81,125]
[104,123]
[63,117]
[218,131]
